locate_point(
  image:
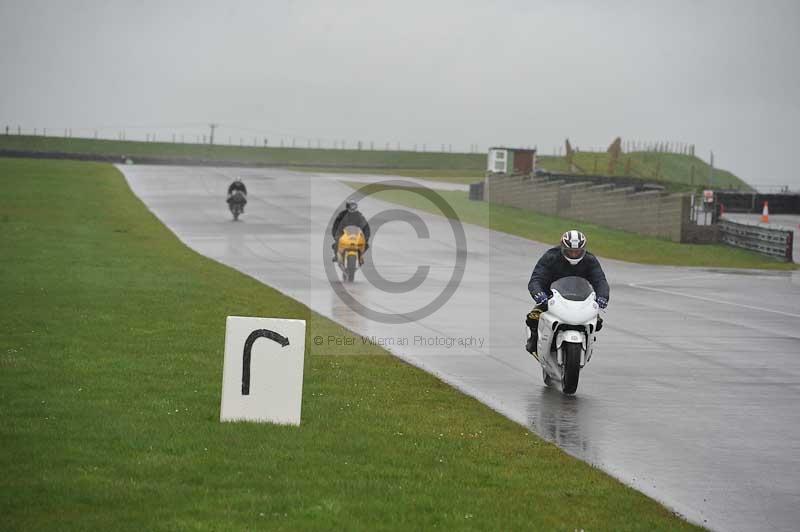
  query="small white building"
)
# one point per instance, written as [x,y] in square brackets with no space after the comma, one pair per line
[502,160]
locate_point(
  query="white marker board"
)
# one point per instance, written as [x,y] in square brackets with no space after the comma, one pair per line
[262,376]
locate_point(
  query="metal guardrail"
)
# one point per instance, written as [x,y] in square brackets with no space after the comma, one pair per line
[773,242]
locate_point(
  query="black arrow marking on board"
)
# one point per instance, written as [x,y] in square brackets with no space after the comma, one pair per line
[248,346]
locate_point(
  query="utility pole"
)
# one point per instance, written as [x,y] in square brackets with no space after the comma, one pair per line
[211,136]
[711,172]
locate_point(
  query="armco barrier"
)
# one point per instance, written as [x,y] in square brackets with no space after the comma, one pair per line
[773,242]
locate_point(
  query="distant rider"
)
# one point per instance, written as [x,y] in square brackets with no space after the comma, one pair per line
[237,185]
[233,188]
[568,259]
[349,216]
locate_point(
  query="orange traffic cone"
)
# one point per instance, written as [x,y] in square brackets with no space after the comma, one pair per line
[765,213]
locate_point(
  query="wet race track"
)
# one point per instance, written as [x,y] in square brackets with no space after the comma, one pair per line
[691,395]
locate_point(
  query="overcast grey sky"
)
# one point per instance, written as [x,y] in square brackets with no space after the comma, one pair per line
[723,75]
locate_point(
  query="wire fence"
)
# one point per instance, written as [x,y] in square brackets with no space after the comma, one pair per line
[631,146]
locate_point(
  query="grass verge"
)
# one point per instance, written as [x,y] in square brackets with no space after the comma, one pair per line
[110,376]
[603,241]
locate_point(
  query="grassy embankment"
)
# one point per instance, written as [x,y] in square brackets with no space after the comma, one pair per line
[110,377]
[603,241]
[455,167]
[660,167]
[413,164]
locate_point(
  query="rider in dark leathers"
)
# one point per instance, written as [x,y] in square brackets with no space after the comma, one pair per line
[568,259]
[349,216]
[237,185]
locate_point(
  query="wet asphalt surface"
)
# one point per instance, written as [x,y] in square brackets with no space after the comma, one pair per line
[691,395]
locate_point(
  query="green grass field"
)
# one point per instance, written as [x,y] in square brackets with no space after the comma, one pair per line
[110,378]
[603,241]
[672,170]
[252,155]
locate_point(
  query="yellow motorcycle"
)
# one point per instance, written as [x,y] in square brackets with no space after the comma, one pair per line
[350,251]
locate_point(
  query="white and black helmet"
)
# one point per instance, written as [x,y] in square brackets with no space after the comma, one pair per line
[573,246]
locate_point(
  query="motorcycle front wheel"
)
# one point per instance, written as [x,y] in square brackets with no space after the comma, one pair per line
[350,268]
[572,367]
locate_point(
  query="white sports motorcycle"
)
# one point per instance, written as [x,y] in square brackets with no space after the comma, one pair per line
[566,332]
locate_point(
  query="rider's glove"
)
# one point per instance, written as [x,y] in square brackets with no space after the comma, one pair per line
[602,302]
[540,298]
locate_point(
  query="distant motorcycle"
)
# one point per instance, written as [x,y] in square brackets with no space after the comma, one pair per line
[566,332]
[350,251]
[236,202]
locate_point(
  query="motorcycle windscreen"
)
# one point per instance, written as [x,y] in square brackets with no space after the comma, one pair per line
[573,288]
[352,230]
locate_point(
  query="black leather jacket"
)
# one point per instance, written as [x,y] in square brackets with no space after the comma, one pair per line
[345,218]
[237,185]
[553,266]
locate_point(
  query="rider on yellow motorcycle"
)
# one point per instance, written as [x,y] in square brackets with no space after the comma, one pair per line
[350,216]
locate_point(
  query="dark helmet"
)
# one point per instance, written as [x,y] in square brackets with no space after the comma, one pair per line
[573,246]
[351,205]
